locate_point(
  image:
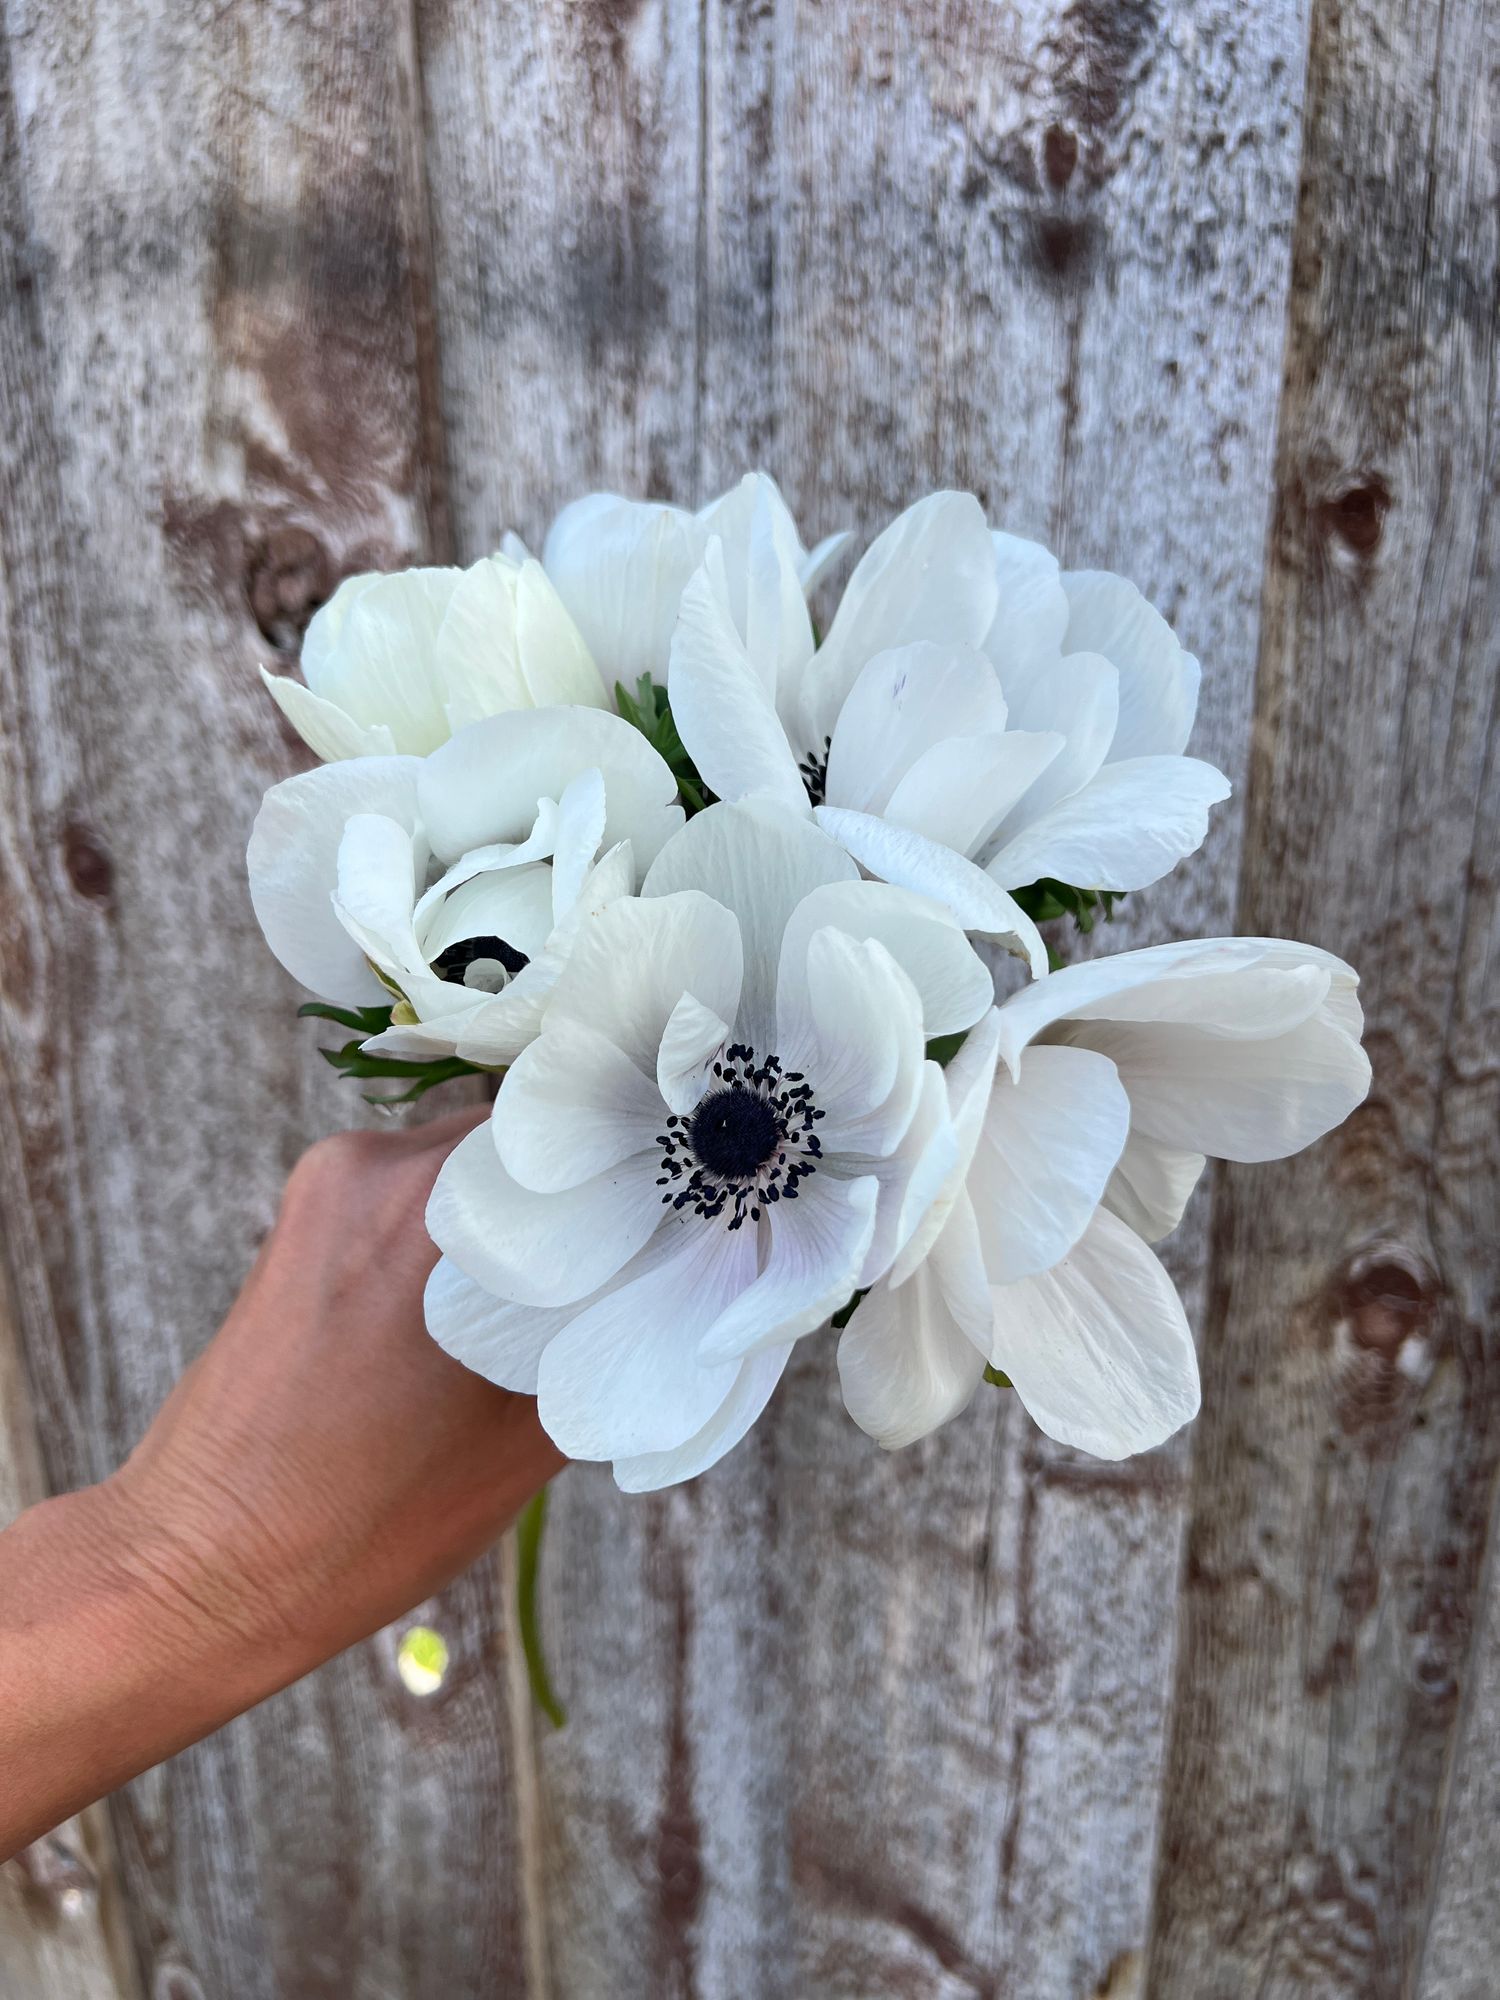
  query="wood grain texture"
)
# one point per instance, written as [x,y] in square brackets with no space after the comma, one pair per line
[212,361]
[1344,1471]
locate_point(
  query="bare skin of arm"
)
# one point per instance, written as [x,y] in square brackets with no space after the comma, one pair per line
[321,1467]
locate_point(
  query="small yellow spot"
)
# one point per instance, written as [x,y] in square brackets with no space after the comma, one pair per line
[422,1660]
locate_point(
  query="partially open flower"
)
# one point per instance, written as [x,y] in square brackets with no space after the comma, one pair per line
[726,1125]
[973,723]
[455,884]
[1114,1080]
[396,664]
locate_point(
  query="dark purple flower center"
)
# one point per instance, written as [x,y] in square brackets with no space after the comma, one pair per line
[454,963]
[749,1143]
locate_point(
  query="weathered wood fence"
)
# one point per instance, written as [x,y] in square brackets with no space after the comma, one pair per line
[1198,289]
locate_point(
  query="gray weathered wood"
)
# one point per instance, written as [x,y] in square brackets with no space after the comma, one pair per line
[215,357]
[1344,1467]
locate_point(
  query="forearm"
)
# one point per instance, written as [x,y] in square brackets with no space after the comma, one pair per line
[107,1665]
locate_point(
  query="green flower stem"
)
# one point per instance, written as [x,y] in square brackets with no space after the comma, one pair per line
[528,1558]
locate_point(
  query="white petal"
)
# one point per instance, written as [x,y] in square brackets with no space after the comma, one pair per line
[930,575]
[761,557]
[693,1036]
[510,903]
[572,1106]
[325,728]
[968,1081]
[757,1377]
[818,1245]
[623,1377]
[905,1364]
[485,784]
[620,567]
[501,1342]
[632,963]
[1031,615]
[852,1024]
[1098,1347]
[1150,1187]
[1049,1145]
[377,658]
[1158,678]
[724,712]
[540,1249]
[958,792]
[973,898]
[1127,828]
[376,890]
[475,652]
[293,864]
[555,660]
[582,814]
[759,860]
[1078,699]
[1233,1099]
[912,1174]
[925,939]
[904,702]
[816,564]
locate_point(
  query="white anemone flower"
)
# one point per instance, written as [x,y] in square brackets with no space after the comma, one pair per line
[1114,1080]
[620,566]
[396,664]
[726,1125]
[455,884]
[974,721]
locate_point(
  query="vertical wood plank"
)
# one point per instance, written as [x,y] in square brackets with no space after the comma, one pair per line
[1345,1468]
[837,1719]
[217,373]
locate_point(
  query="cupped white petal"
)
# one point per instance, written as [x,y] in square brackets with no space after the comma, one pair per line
[1150,1187]
[620,567]
[906,701]
[323,726]
[815,565]
[513,904]
[376,890]
[852,1024]
[484,785]
[555,662]
[925,939]
[971,896]
[759,859]
[905,1364]
[631,964]
[818,1245]
[572,1106]
[723,708]
[757,1377]
[930,575]
[1098,1347]
[958,792]
[761,555]
[912,1172]
[582,815]
[1077,699]
[623,1377]
[691,1040]
[1128,827]
[540,1249]
[374,656]
[1158,677]
[293,866]
[1031,614]
[1049,1144]
[968,1080]
[499,1341]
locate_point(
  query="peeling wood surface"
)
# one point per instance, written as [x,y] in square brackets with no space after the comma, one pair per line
[1198,291]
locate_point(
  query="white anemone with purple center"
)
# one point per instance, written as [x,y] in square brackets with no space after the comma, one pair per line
[974,722]
[727,1124]
[1084,1108]
[454,885]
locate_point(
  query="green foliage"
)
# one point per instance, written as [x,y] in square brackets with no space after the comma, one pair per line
[998,1376]
[846,1312]
[1045,900]
[943,1048]
[419,1073]
[649,711]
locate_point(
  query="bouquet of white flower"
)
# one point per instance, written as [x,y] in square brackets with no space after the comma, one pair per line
[732,914]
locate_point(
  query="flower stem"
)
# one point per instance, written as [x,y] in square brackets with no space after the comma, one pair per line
[528,1557]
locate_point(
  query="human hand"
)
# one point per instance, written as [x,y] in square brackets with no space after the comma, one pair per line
[319,1469]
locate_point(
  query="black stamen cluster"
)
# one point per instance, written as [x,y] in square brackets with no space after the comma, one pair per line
[813,771]
[453,963]
[750,1142]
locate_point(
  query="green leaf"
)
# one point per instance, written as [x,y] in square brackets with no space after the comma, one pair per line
[998,1376]
[943,1048]
[528,1559]
[846,1312]
[364,1021]
[649,710]
[1046,900]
